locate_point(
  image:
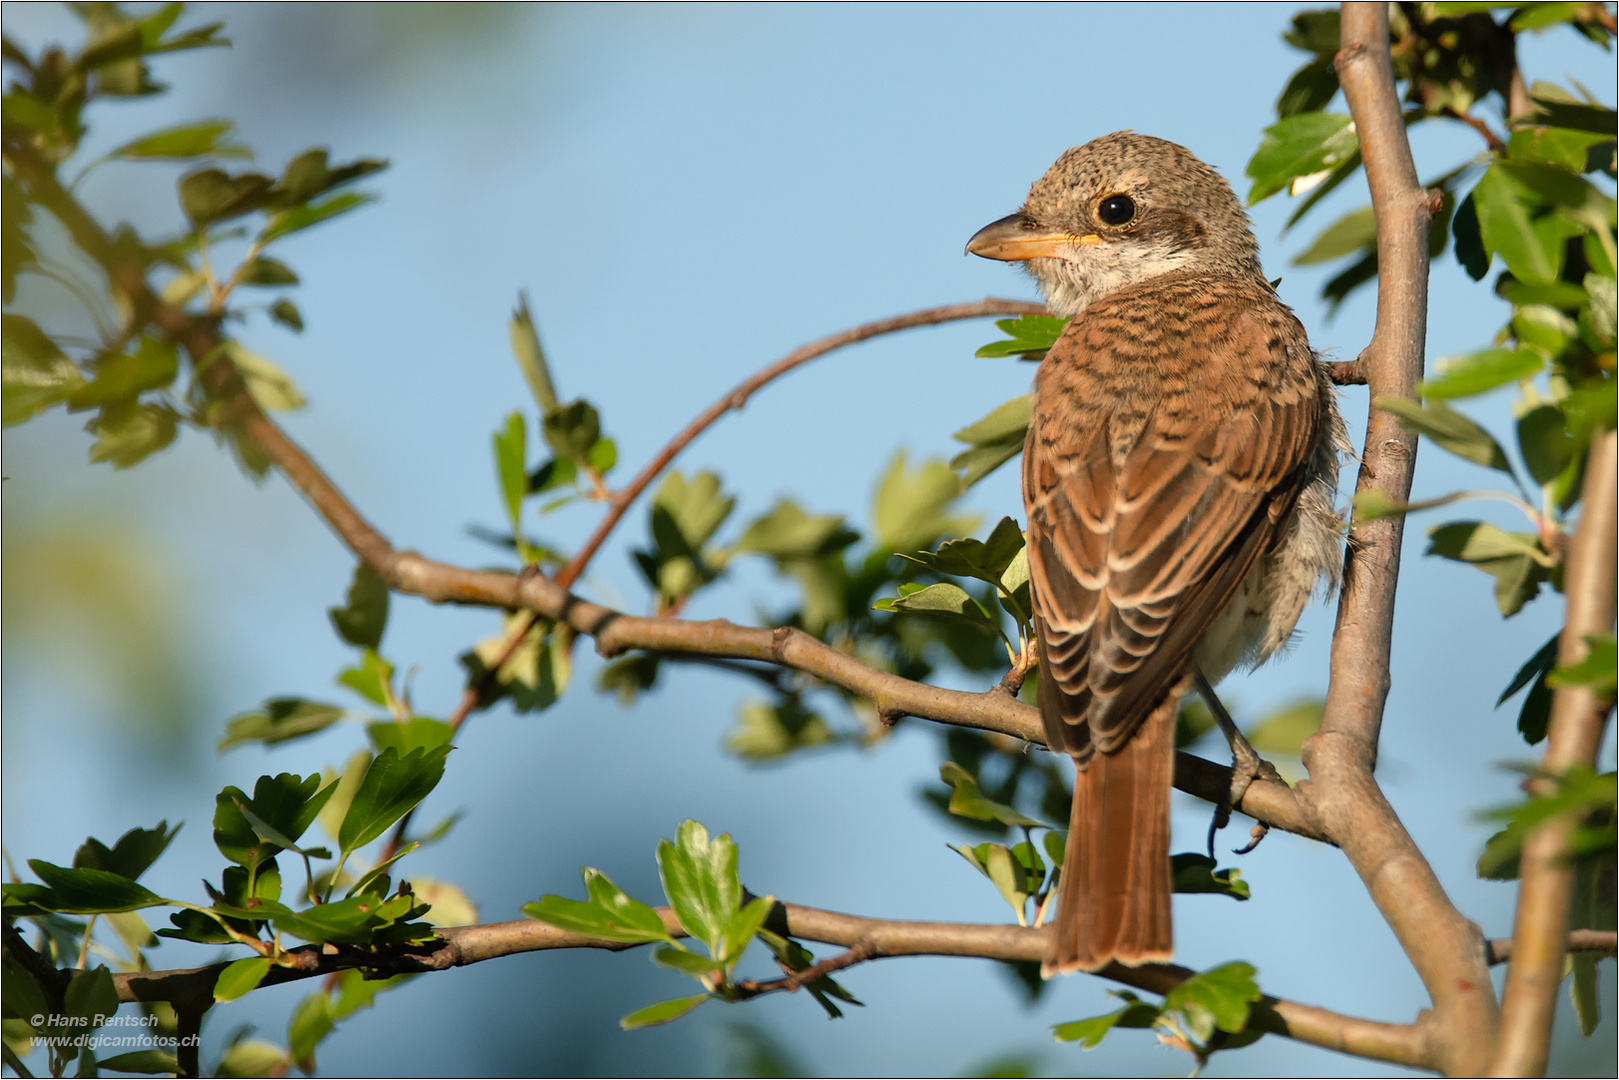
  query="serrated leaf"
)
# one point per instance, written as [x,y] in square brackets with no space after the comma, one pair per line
[699,878]
[211,195]
[131,855]
[128,432]
[942,599]
[1219,998]
[911,508]
[81,891]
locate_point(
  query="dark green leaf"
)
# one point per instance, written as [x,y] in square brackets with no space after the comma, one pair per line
[418,733]
[1310,89]
[286,313]
[1196,873]
[266,271]
[362,619]
[987,559]
[82,891]
[572,429]
[90,995]
[150,1062]
[250,832]
[212,195]
[662,1013]
[279,719]
[1572,115]
[1470,251]
[311,1022]
[130,857]
[1515,560]
[1545,443]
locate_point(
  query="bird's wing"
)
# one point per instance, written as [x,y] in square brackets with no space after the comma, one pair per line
[1148,507]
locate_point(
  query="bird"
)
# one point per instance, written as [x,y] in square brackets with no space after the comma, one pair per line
[1180,483]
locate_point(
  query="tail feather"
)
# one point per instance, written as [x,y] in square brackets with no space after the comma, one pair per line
[1114,894]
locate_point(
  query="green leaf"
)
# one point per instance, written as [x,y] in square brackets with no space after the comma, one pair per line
[1513,204]
[266,271]
[910,510]
[1595,670]
[986,560]
[241,977]
[212,195]
[1284,731]
[609,913]
[788,532]
[1194,872]
[1581,794]
[943,599]
[127,432]
[131,856]
[531,357]
[572,429]
[1450,429]
[511,467]
[1091,1031]
[1470,251]
[311,1022]
[1299,146]
[1353,232]
[1515,560]
[123,376]
[739,931]
[286,313]
[201,139]
[663,1012]
[536,673]
[362,619]
[250,832]
[392,787]
[1562,147]
[1474,373]
[280,719]
[150,1062]
[81,891]
[1545,442]
[297,218]
[765,731]
[418,733]
[34,373]
[967,800]
[1219,998]
[90,995]
[700,880]
[271,387]
[1573,115]
[1028,337]
[687,963]
[992,441]
[1311,89]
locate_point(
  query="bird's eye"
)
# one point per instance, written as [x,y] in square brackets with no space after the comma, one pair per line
[1116,209]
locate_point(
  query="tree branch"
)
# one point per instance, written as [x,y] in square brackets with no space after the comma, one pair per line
[1573,735]
[739,396]
[1446,949]
[866,938]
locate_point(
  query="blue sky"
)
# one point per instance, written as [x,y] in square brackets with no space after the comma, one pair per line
[687,193]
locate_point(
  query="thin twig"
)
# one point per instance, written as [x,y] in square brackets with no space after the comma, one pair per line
[739,396]
[1490,138]
[1445,948]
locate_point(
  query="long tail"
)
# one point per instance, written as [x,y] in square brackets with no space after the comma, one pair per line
[1114,898]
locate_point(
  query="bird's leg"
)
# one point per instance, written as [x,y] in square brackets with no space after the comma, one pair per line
[1246,766]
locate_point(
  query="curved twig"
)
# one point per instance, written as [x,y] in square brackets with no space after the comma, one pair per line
[1444,947]
[738,397]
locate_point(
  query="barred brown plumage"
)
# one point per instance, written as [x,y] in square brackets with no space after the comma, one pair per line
[1179,478]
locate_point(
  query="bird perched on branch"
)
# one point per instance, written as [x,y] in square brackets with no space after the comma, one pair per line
[1179,477]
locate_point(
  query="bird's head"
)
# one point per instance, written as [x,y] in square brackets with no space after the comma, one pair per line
[1119,210]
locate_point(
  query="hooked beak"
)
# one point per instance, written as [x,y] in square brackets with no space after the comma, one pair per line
[1014,238]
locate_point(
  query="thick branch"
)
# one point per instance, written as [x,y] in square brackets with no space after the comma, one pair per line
[1447,950]
[868,939]
[1573,734]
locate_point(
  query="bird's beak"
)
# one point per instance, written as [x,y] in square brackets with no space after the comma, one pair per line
[1015,238]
